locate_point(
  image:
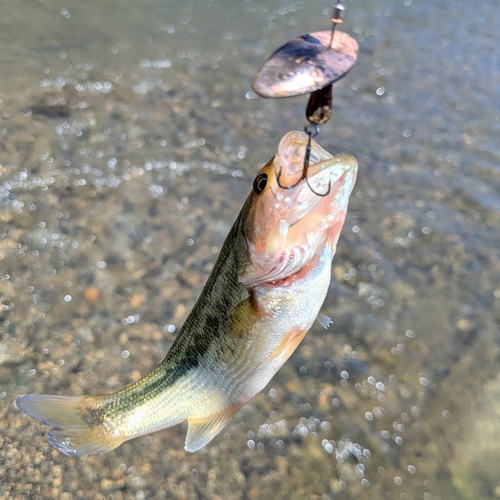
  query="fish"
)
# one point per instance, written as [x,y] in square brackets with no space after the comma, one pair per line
[263,295]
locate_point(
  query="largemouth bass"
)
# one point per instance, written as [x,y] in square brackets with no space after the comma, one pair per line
[263,295]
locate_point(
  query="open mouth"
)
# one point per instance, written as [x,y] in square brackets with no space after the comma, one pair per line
[290,163]
[298,160]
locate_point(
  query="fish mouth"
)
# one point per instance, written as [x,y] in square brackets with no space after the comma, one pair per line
[304,210]
[289,159]
[326,176]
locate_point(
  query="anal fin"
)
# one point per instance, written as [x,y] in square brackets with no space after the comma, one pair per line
[202,430]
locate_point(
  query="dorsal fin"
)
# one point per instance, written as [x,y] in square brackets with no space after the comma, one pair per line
[203,430]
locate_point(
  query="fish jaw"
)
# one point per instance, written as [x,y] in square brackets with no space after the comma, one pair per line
[290,221]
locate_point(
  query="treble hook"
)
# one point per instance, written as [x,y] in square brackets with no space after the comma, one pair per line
[310,134]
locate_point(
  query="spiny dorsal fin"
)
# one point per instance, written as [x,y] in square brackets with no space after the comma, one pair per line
[202,430]
[325,320]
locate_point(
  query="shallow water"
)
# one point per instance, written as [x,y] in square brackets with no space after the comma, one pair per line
[129,136]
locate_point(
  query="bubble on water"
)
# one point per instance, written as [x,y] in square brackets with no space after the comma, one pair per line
[328,447]
[155,63]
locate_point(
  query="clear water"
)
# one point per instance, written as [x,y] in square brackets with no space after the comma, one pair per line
[129,137]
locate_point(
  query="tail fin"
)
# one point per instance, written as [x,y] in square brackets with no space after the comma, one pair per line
[79,428]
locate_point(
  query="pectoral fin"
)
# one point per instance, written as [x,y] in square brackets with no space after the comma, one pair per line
[325,321]
[241,319]
[203,430]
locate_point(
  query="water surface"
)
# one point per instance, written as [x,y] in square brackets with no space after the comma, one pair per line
[129,137]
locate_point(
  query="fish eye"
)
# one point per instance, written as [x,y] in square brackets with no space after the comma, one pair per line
[259,183]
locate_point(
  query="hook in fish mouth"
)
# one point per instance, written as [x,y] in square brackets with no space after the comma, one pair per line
[304,177]
[305,167]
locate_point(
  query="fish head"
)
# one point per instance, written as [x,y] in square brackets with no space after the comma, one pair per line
[293,213]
